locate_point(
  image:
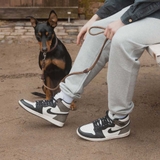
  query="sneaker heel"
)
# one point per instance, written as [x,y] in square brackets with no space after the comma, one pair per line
[59,120]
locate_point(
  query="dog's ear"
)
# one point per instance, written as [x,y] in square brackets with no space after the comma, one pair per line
[52,20]
[33,21]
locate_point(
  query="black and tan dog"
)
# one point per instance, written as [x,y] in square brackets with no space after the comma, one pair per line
[54,59]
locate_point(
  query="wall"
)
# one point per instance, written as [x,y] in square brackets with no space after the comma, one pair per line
[18,31]
[87,8]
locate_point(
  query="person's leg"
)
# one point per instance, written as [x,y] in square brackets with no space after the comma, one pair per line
[56,110]
[127,47]
[75,84]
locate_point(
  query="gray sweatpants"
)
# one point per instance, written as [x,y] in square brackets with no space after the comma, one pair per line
[122,52]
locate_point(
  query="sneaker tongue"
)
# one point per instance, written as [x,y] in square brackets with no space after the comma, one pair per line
[54,101]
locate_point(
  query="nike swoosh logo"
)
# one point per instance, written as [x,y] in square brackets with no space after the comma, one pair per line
[50,112]
[110,131]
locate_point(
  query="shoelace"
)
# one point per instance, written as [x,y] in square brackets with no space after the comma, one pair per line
[45,103]
[103,122]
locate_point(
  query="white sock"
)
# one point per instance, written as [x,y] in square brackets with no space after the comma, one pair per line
[63,96]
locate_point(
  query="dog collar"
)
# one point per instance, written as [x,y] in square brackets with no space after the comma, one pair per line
[55,45]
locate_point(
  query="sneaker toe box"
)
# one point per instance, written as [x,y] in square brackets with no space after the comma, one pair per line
[24,103]
[87,131]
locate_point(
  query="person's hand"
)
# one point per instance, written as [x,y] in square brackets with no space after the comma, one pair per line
[85,28]
[112,28]
[82,34]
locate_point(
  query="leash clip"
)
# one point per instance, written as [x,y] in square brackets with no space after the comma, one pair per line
[44,55]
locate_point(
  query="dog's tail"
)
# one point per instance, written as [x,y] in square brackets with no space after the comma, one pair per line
[39,94]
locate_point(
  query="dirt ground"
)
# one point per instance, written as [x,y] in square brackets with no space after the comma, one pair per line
[27,137]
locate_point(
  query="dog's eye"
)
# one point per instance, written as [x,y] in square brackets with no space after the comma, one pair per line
[48,35]
[38,36]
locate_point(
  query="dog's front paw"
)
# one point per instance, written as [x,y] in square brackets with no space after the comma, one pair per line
[73,106]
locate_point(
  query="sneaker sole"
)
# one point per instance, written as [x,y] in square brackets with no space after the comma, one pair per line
[51,120]
[104,139]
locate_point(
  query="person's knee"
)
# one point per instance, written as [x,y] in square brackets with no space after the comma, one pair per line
[120,39]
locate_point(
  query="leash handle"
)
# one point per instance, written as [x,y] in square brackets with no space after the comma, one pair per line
[92,66]
[96,27]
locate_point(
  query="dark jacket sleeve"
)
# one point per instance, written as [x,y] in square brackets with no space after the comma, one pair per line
[112,6]
[138,11]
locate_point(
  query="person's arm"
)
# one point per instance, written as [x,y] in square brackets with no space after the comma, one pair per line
[136,12]
[139,10]
[110,7]
[85,28]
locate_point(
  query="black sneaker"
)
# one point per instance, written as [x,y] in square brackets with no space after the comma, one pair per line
[105,129]
[54,111]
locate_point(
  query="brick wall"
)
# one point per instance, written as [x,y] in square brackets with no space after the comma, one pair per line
[18,31]
[67,32]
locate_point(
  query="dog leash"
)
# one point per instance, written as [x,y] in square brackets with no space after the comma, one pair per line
[92,66]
